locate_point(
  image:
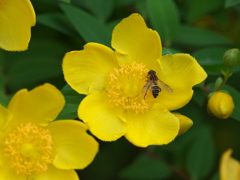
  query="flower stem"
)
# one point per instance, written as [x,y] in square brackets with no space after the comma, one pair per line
[226,74]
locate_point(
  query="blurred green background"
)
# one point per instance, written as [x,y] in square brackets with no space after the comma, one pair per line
[203,28]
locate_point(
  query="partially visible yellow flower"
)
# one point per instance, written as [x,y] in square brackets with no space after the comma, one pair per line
[185,123]
[16,19]
[33,146]
[113,81]
[229,167]
[221,105]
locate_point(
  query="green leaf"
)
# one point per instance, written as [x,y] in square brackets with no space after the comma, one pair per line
[73,100]
[86,25]
[199,96]
[58,22]
[69,112]
[236,96]
[145,167]
[71,96]
[229,3]
[169,51]
[66,1]
[211,59]
[198,8]
[201,156]
[33,69]
[164,18]
[102,9]
[195,36]
[124,3]
[3,99]
[216,176]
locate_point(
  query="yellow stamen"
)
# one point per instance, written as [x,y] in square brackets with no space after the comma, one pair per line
[29,149]
[125,88]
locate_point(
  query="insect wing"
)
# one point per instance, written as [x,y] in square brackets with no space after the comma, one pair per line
[146,88]
[165,86]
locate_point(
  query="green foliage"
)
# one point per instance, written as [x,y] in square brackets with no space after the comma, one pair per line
[203,28]
[145,167]
[86,25]
[164,18]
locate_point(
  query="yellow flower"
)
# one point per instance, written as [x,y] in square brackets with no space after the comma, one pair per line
[221,105]
[16,19]
[229,167]
[113,81]
[33,146]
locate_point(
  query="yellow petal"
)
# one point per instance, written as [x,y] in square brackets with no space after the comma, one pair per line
[185,123]
[133,41]
[53,173]
[156,127]
[6,172]
[39,106]
[16,20]
[181,72]
[74,149]
[86,71]
[104,122]
[229,167]
[5,116]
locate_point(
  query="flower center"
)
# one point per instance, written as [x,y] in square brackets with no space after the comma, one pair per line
[125,87]
[29,149]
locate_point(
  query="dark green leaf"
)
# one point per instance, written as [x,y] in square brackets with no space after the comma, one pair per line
[69,112]
[169,51]
[73,100]
[124,3]
[211,59]
[199,96]
[58,22]
[31,70]
[145,167]
[86,25]
[195,36]
[142,8]
[215,176]
[164,18]
[71,96]
[201,155]
[229,3]
[102,9]
[198,8]
[3,99]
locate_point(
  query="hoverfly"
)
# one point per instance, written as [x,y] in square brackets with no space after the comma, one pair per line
[155,84]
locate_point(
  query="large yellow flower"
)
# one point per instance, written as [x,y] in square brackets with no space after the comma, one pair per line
[33,146]
[113,81]
[16,19]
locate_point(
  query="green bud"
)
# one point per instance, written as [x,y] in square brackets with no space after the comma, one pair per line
[231,57]
[218,82]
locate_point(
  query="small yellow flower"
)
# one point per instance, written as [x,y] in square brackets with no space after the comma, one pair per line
[229,167]
[221,105]
[113,81]
[16,19]
[33,146]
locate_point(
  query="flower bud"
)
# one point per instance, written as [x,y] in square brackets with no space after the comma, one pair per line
[185,123]
[231,58]
[221,105]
